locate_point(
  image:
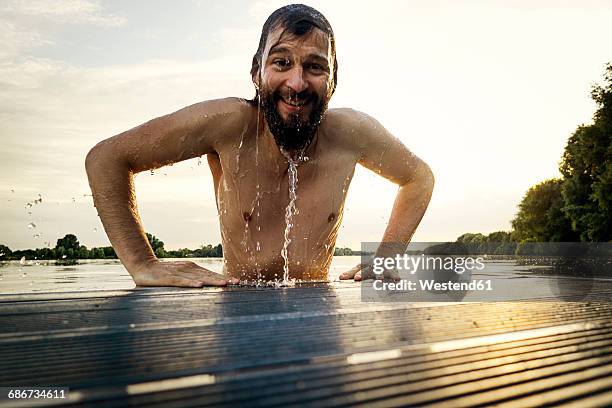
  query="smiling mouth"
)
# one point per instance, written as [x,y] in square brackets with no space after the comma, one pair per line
[296,104]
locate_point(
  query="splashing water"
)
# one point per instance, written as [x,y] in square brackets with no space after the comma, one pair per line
[289,212]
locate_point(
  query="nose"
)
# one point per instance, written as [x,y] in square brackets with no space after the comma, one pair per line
[296,80]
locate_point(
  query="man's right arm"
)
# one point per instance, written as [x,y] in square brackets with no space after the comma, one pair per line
[190,132]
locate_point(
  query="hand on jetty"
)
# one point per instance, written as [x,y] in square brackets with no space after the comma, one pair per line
[359,272]
[364,271]
[179,273]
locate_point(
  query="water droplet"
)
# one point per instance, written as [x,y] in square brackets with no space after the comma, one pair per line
[28,205]
[64,256]
[31,225]
[95,229]
[152,172]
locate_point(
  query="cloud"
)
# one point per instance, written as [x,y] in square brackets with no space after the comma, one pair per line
[16,38]
[62,11]
[26,25]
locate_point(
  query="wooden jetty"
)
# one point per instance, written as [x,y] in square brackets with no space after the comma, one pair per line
[310,345]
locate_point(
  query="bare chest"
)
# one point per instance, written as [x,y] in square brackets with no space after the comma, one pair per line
[253,189]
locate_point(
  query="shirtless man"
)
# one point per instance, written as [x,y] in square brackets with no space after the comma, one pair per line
[254,149]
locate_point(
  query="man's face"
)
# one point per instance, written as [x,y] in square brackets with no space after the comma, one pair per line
[294,85]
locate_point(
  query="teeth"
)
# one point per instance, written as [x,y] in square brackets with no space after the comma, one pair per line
[294,103]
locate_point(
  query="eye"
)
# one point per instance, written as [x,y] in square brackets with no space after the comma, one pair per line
[316,68]
[281,63]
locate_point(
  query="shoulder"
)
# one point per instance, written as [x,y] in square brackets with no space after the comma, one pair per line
[223,120]
[226,107]
[349,127]
[343,116]
[342,119]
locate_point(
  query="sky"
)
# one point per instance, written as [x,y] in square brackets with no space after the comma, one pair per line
[486,92]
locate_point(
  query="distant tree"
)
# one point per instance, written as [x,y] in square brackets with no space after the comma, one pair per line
[96,253]
[500,236]
[83,252]
[109,252]
[587,169]
[540,217]
[343,251]
[5,252]
[69,241]
[470,238]
[154,242]
[60,252]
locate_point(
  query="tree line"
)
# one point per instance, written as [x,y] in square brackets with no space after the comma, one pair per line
[69,248]
[576,207]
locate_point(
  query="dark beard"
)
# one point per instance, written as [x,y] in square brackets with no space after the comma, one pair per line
[292,135]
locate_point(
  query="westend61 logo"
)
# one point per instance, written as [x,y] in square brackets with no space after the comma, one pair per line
[479,272]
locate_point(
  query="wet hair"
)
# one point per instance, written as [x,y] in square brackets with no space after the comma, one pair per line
[299,20]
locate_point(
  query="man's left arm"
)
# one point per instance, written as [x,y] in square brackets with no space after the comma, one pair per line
[387,156]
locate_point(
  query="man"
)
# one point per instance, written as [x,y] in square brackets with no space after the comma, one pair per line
[281,166]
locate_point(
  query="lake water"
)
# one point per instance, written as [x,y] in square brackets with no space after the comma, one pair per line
[101,274]
[511,280]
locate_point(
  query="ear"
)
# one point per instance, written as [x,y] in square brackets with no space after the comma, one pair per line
[255,74]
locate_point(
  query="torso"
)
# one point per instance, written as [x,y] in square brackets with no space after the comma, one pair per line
[252,218]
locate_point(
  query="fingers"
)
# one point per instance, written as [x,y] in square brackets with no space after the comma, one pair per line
[193,271]
[184,282]
[347,275]
[352,273]
[182,274]
[208,278]
[365,274]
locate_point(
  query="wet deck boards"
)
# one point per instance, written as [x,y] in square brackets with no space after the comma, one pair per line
[311,345]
